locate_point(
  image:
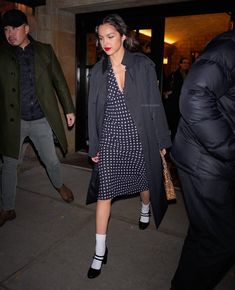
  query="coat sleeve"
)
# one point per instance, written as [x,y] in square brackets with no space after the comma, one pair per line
[92,125]
[156,108]
[60,84]
[206,82]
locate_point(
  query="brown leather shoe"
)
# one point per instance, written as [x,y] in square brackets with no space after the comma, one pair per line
[65,193]
[7,215]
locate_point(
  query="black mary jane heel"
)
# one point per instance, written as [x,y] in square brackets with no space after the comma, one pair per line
[143,226]
[93,273]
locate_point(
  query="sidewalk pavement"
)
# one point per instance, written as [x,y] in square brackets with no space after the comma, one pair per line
[49,246]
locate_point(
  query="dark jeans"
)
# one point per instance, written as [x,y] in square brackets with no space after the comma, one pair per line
[209,248]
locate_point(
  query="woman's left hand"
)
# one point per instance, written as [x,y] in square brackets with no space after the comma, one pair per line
[163,151]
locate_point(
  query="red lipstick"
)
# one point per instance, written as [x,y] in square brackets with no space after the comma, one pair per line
[107,48]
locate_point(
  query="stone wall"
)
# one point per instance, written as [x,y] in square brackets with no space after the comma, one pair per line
[57,27]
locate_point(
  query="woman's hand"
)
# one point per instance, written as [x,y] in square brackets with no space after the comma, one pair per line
[95,159]
[163,152]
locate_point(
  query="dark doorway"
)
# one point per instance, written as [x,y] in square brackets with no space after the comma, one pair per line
[141,19]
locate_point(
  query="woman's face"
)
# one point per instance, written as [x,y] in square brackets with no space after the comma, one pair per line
[110,39]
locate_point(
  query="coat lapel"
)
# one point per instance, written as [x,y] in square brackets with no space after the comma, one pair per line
[129,78]
[102,90]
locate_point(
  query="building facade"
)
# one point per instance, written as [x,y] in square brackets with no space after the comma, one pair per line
[69,26]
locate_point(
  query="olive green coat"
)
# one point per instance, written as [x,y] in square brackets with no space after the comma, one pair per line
[49,84]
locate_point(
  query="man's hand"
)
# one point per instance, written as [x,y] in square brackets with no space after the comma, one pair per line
[70,119]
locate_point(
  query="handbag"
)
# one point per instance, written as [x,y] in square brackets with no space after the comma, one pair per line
[93,188]
[168,184]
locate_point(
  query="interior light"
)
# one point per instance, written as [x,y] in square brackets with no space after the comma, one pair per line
[169,40]
[148,32]
[165,60]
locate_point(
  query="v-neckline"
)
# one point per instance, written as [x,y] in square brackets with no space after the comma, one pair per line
[121,90]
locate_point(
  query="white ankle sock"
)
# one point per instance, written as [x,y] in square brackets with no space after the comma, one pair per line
[100,248]
[144,214]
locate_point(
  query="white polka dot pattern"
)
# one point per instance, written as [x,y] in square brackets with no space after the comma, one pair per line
[121,163]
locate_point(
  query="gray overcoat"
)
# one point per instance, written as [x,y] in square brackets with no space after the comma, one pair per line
[144,103]
[49,84]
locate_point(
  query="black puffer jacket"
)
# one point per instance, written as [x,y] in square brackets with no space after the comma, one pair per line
[205,140]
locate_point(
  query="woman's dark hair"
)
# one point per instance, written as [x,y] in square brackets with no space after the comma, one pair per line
[118,23]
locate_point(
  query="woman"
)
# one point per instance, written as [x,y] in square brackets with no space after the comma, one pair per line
[127,128]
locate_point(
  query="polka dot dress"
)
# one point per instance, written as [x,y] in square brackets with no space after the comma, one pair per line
[121,160]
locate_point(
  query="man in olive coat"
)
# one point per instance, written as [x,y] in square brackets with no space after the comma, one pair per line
[31,79]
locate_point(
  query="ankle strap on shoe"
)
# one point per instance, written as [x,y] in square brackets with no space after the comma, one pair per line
[98,258]
[145,214]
